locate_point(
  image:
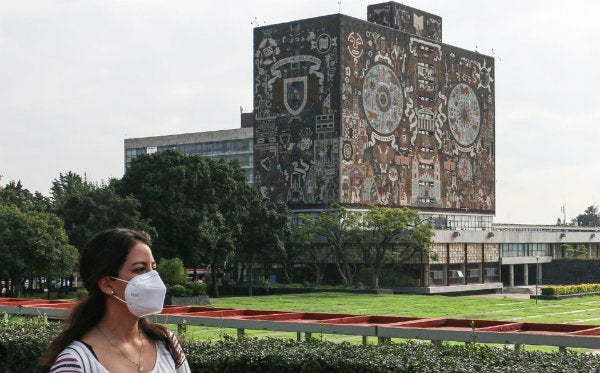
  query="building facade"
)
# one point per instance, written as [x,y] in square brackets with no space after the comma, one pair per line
[361,113]
[233,144]
[380,112]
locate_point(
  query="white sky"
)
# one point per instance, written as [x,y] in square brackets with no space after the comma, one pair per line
[78,77]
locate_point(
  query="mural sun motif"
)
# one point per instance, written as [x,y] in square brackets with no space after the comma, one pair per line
[464,115]
[382,99]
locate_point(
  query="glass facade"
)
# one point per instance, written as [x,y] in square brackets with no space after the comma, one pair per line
[463,264]
[459,221]
[240,150]
[526,249]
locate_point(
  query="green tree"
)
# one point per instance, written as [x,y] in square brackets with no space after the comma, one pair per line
[172,271]
[574,251]
[336,225]
[297,243]
[87,208]
[233,199]
[15,194]
[173,190]
[195,203]
[264,228]
[300,244]
[383,228]
[33,241]
[218,245]
[589,218]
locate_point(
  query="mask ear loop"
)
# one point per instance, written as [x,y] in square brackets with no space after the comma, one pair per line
[112,292]
[116,296]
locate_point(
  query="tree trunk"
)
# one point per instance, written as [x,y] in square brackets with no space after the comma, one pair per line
[341,273]
[16,286]
[319,275]
[376,278]
[213,281]
[251,279]
[240,273]
[286,272]
[348,273]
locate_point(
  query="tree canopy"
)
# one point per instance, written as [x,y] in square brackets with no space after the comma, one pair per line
[383,233]
[589,218]
[392,233]
[87,208]
[196,204]
[31,241]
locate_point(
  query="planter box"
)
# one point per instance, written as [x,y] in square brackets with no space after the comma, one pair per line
[197,300]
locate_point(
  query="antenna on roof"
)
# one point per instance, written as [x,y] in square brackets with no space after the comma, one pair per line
[493,53]
[256,23]
[339,6]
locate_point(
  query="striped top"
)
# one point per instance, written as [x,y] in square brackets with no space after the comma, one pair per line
[78,357]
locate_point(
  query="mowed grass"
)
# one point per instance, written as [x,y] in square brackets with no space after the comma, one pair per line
[504,308]
[573,311]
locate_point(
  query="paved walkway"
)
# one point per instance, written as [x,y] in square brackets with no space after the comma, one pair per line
[523,292]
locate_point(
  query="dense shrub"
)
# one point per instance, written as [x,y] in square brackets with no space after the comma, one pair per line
[196,288]
[189,289]
[570,289]
[177,291]
[172,271]
[22,342]
[314,356]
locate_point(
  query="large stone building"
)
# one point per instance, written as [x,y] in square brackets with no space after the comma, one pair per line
[373,113]
[381,112]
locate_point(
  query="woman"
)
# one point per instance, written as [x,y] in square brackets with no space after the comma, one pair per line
[107,332]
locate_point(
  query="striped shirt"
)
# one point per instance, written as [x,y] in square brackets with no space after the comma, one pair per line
[78,357]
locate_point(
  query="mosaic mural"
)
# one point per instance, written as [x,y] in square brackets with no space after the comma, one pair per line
[407,19]
[353,112]
[296,105]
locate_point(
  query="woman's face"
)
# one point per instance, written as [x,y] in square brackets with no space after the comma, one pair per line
[138,261]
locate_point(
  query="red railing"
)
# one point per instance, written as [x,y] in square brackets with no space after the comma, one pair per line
[381,327]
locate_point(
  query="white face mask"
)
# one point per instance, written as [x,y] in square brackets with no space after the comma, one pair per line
[144,294]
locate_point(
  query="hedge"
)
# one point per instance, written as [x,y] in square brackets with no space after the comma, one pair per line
[314,356]
[21,343]
[570,289]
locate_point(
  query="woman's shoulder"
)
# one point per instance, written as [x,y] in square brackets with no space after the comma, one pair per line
[175,348]
[75,358]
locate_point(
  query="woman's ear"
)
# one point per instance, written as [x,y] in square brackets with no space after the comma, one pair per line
[105,285]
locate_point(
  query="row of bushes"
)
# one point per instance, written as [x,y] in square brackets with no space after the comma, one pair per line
[570,289]
[21,343]
[188,289]
[315,356]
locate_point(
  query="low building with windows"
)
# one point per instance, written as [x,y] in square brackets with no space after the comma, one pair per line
[231,144]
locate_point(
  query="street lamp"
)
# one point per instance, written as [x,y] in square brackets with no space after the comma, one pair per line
[537,276]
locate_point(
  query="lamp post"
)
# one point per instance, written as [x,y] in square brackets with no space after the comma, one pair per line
[537,276]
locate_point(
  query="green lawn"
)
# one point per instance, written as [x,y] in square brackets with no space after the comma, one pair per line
[572,311]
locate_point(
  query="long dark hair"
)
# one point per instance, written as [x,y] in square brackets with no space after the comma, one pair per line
[103,255]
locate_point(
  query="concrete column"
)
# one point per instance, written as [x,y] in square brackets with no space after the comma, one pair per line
[511,275]
[539,273]
[525,274]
